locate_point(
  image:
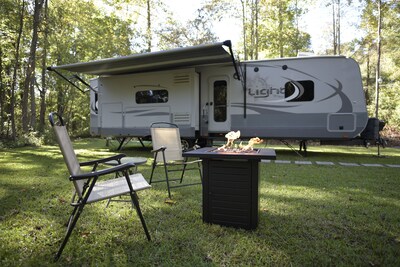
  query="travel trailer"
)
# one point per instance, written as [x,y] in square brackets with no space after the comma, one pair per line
[208,93]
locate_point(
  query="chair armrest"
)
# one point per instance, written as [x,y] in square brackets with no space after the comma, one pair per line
[98,173]
[193,161]
[159,149]
[97,161]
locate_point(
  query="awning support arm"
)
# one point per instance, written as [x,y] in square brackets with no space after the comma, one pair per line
[69,81]
[85,83]
[244,83]
[228,43]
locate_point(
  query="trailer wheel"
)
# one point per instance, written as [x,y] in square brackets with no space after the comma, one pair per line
[187,144]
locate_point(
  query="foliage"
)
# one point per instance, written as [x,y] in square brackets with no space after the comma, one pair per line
[364,51]
[309,215]
[279,33]
[199,30]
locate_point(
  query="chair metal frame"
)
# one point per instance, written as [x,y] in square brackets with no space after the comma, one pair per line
[162,150]
[88,189]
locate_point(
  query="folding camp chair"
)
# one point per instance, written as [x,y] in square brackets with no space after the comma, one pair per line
[167,149]
[87,187]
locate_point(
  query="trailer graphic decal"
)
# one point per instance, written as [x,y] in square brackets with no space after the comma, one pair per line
[347,107]
[345,101]
[292,91]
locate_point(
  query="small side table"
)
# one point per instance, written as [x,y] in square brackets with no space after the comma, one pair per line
[136,160]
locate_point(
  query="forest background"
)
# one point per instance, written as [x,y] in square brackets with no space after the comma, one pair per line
[35,34]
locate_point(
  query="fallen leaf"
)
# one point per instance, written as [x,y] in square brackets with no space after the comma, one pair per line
[85,234]
[170,201]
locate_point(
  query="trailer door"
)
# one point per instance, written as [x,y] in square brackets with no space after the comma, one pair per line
[218,104]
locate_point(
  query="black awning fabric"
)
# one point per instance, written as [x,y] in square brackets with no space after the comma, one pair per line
[153,61]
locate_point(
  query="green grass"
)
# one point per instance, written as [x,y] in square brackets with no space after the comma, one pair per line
[309,215]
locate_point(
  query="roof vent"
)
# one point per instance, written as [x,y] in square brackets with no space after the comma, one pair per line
[181,78]
[181,118]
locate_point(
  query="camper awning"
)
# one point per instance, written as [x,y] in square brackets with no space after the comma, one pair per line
[153,61]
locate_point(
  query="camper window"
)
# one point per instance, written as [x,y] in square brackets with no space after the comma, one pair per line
[151,96]
[220,101]
[299,91]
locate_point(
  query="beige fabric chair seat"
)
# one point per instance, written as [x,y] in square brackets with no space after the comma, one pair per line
[117,187]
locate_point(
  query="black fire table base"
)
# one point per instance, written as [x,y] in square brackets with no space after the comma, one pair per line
[231,185]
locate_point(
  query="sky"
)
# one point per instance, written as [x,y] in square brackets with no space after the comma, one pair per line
[314,22]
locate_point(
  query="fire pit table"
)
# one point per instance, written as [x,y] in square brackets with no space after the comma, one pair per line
[231,185]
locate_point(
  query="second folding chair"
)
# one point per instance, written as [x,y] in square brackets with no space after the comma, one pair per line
[167,149]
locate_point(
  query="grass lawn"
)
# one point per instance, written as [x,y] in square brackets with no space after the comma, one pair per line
[309,215]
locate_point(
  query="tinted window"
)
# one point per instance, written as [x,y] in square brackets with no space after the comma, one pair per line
[297,91]
[220,108]
[152,96]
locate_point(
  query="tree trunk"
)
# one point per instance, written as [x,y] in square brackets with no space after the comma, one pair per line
[297,39]
[32,113]
[244,28]
[7,93]
[280,30]
[14,79]
[2,96]
[30,71]
[378,62]
[256,31]
[148,26]
[338,27]
[334,27]
[42,113]
[252,33]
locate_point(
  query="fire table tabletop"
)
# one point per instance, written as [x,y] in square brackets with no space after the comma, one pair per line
[213,152]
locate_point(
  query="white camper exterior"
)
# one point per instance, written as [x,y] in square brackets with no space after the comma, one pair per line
[207,94]
[301,98]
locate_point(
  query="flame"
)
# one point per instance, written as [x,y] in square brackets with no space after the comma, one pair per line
[253,141]
[232,136]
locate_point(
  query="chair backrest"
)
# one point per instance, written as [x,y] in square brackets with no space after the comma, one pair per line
[67,151]
[167,135]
